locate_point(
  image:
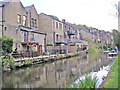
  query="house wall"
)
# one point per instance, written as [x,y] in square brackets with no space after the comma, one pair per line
[11,11]
[0,22]
[34,15]
[45,25]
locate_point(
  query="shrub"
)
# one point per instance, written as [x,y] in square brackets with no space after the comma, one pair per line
[7,44]
[7,60]
[87,83]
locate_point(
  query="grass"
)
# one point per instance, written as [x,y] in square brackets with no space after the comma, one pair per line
[111,81]
[87,83]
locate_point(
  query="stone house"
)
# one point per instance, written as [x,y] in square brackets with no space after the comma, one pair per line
[21,24]
[73,37]
[54,29]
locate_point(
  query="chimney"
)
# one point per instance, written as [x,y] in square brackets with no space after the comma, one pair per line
[63,20]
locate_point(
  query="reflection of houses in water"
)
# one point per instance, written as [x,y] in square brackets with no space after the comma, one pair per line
[53,75]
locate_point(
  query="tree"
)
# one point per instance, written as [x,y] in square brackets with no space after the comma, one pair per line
[116,38]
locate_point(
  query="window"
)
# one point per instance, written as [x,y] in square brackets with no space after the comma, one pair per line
[35,23]
[60,25]
[24,20]
[32,37]
[65,27]
[5,28]
[26,36]
[57,37]
[32,22]
[18,18]
[57,25]
[60,37]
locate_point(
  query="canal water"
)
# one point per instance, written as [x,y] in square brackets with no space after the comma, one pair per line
[55,74]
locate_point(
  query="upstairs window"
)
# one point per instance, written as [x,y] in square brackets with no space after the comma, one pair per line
[57,25]
[57,37]
[19,18]
[32,22]
[24,20]
[60,25]
[35,23]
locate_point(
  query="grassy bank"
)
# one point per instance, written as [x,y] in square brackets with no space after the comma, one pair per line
[88,82]
[111,81]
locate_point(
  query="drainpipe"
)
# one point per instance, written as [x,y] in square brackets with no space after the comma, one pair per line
[2,21]
[30,19]
[45,43]
[54,38]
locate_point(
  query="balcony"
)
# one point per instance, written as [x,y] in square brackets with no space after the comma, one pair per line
[75,41]
[71,32]
[61,41]
[30,41]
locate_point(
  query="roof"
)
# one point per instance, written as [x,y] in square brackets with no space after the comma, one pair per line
[2,3]
[28,7]
[57,20]
[30,30]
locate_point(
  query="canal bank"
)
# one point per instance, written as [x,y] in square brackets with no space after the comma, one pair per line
[54,74]
[24,62]
[111,81]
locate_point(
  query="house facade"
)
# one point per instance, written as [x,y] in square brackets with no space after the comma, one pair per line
[55,35]
[18,24]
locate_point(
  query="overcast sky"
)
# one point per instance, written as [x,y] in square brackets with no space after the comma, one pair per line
[95,13]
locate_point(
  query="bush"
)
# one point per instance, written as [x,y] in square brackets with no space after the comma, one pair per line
[7,60]
[87,83]
[7,44]
[91,50]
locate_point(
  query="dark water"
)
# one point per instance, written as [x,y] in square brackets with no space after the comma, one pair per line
[54,74]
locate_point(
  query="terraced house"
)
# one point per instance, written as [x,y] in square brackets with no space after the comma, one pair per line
[73,37]
[61,37]
[35,34]
[21,24]
[54,29]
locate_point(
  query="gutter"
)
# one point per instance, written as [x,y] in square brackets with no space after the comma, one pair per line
[2,20]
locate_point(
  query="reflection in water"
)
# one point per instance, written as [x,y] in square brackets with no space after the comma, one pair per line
[55,74]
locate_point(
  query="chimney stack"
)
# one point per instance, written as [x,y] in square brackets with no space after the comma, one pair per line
[63,20]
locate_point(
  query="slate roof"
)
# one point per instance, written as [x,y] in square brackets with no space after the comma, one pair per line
[28,7]
[2,3]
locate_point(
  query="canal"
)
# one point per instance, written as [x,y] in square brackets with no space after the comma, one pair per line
[54,74]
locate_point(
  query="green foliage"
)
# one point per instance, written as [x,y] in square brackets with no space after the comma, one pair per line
[27,62]
[7,60]
[7,44]
[105,47]
[116,38]
[54,17]
[87,83]
[91,50]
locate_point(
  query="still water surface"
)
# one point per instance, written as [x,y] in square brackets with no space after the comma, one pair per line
[54,74]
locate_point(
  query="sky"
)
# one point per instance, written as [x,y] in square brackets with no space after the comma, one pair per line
[93,13]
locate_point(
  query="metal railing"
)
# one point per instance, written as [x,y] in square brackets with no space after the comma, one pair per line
[28,54]
[62,40]
[71,32]
[75,40]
